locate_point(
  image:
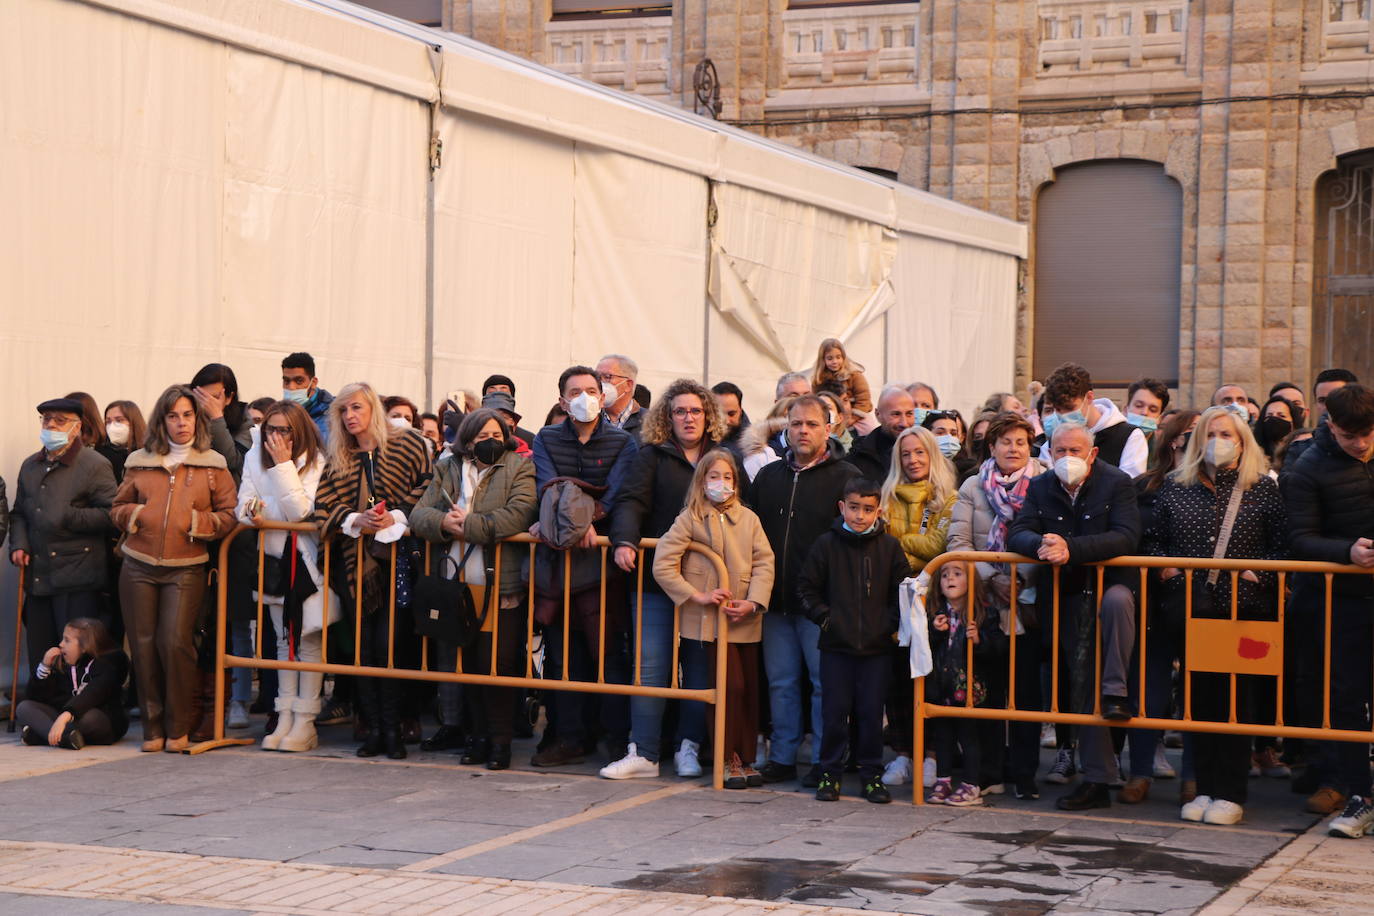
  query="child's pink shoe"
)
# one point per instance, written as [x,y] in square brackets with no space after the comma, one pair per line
[966,796]
[940,792]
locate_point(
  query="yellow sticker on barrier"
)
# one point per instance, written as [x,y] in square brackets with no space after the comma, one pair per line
[1235,646]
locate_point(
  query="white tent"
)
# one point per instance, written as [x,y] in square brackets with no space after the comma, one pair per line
[188,181]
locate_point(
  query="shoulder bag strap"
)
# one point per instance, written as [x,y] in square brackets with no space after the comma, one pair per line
[1227,525]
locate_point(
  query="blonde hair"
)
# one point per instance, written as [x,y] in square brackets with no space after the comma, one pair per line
[342,444]
[943,484]
[658,422]
[820,374]
[1251,467]
[697,503]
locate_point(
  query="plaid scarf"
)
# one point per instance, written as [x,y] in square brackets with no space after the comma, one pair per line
[1006,496]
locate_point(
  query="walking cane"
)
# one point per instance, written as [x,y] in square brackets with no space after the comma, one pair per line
[18,630]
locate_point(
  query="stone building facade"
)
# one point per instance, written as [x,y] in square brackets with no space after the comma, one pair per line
[1257,111]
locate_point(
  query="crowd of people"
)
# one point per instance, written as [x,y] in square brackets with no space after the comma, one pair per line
[823,512]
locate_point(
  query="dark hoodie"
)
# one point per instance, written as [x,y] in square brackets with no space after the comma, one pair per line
[848,587]
[872,454]
[99,684]
[796,507]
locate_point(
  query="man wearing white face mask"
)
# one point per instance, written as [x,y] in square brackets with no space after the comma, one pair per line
[589,448]
[1069,393]
[618,375]
[1084,512]
[58,527]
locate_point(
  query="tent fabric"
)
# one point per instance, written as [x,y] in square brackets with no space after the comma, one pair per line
[189,181]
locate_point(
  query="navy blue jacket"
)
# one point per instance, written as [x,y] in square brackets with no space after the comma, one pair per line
[603,460]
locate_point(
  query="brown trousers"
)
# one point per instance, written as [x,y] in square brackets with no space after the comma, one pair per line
[160,605]
[741,699]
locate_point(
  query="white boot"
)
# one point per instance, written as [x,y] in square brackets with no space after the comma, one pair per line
[286,698]
[305,707]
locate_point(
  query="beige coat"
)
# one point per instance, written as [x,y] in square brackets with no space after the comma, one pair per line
[736,535]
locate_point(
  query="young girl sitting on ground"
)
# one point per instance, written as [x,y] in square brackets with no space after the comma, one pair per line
[833,364]
[75,690]
[953,625]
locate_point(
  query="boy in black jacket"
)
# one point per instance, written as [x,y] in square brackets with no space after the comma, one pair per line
[848,587]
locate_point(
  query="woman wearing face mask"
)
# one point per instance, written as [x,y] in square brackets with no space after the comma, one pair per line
[1278,417]
[950,432]
[481,493]
[683,425]
[401,412]
[1220,502]
[716,519]
[918,501]
[373,477]
[988,501]
[124,430]
[177,497]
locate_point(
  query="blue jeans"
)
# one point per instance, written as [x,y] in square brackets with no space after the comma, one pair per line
[790,651]
[655,637]
[241,643]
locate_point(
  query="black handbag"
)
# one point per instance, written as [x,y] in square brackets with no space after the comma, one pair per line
[443,608]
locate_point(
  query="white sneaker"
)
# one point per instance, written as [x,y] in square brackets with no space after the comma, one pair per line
[1163,768]
[899,772]
[631,766]
[238,716]
[1048,738]
[1355,820]
[1221,811]
[1195,809]
[685,760]
[928,772]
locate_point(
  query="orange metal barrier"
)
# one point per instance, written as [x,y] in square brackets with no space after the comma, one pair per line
[18,635]
[1212,646]
[714,695]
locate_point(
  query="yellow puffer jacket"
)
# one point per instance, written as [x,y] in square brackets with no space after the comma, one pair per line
[905,513]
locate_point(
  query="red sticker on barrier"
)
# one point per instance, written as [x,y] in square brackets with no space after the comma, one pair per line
[1252,648]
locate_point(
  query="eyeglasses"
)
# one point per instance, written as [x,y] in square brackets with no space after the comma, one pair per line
[279,430]
[57,420]
[683,413]
[612,377]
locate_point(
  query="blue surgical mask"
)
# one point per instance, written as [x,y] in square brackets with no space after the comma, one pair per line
[921,414]
[949,445]
[1140,421]
[865,531]
[54,440]
[299,395]
[1050,422]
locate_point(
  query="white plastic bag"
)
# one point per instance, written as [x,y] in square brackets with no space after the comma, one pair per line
[913,631]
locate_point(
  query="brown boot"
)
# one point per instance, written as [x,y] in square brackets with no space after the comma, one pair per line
[1136,790]
[203,707]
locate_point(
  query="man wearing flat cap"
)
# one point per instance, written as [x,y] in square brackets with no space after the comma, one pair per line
[504,404]
[58,527]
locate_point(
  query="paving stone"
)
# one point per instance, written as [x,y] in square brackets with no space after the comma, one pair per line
[527,861]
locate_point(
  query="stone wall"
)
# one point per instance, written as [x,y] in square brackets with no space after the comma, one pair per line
[982,101]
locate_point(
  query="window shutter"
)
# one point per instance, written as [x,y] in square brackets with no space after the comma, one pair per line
[610,7]
[1108,249]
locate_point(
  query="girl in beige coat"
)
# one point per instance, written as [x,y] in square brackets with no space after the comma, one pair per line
[715,519]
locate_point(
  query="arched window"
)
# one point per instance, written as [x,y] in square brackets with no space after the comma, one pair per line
[1343,262]
[1108,248]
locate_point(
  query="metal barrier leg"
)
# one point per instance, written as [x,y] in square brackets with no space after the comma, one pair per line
[722,679]
[221,627]
[18,635]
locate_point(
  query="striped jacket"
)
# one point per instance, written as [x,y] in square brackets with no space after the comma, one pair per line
[403,465]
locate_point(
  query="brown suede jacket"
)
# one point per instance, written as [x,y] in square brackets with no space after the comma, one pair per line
[168,516]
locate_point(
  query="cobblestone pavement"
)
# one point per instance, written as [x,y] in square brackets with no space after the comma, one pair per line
[109,830]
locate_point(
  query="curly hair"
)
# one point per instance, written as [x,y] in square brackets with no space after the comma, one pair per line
[658,423]
[1066,384]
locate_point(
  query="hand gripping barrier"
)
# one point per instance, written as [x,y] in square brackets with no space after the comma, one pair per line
[1228,646]
[714,695]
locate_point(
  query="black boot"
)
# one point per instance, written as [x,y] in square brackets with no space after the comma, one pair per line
[366,698]
[389,700]
[478,752]
[447,738]
[500,757]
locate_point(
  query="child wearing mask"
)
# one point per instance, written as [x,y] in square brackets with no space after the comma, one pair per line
[955,622]
[74,696]
[848,587]
[716,520]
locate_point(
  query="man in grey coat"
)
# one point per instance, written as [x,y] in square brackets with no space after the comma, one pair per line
[58,526]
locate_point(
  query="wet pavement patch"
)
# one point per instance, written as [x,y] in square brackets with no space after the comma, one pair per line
[756,879]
